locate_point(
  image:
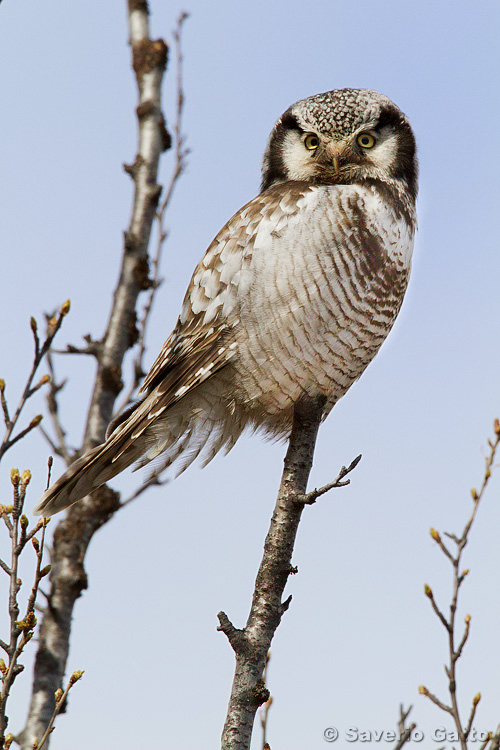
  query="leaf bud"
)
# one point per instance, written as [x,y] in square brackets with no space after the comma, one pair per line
[26,478]
[435,535]
[65,307]
[30,620]
[76,676]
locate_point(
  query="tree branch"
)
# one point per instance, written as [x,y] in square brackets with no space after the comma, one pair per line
[251,645]
[455,651]
[73,534]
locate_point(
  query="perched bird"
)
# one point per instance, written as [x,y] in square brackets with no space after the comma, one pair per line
[293,297]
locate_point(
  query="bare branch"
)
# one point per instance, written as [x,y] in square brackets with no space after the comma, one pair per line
[311,497]
[60,702]
[21,630]
[424,691]
[455,652]
[404,731]
[252,644]
[60,447]
[73,534]
[180,163]
[53,326]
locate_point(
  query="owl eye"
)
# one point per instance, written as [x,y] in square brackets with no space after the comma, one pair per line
[365,140]
[311,142]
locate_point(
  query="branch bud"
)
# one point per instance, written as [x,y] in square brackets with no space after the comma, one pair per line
[65,307]
[3,667]
[24,522]
[474,494]
[435,535]
[45,571]
[34,745]
[30,620]
[423,690]
[428,591]
[58,695]
[465,572]
[36,421]
[14,477]
[487,474]
[28,623]
[476,699]
[36,544]
[8,741]
[33,324]
[2,385]
[76,676]
[26,478]
[496,427]
[467,619]
[44,379]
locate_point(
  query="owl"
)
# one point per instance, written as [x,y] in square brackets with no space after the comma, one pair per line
[293,298]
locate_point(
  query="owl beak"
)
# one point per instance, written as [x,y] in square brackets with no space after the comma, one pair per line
[338,154]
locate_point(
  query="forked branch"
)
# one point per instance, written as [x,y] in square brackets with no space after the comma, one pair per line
[457,641]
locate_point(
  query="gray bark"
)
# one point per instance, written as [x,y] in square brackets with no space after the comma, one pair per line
[73,534]
[252,644]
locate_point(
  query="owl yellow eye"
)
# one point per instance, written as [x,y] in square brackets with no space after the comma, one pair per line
[311,142]
[365,140]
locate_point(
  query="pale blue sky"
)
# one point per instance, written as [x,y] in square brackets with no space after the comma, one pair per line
[359,636]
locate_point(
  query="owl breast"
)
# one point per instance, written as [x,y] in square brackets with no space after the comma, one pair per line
[332,274]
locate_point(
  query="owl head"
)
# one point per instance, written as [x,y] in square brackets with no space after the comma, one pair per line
[342,137]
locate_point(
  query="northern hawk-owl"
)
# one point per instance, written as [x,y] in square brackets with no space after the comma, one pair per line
[293,298]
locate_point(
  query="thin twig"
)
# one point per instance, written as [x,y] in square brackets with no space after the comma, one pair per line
[311,497]
[60,444]
[60,701]
[21,630]
[404,731]
[459,575]
[54,325]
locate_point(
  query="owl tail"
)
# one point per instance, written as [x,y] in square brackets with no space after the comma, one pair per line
[197,426]
[89,472]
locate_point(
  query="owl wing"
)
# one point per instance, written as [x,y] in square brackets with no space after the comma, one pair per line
[201,342]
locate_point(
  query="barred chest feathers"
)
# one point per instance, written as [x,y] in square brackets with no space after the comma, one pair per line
[320,292]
